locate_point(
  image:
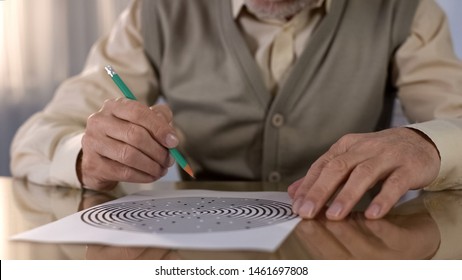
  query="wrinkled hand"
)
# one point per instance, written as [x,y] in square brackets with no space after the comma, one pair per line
[126,141]
[414,236]
[401,158]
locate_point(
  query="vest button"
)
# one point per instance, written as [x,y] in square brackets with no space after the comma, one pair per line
[274,177]
[277,120]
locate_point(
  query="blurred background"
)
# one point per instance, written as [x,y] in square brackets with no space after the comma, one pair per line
[43,42]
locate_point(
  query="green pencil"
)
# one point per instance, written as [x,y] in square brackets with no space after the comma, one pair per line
[128,94]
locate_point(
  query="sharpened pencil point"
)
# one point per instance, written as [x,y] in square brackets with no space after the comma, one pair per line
[188,170]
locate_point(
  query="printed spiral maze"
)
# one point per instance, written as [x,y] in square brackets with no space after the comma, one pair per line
[189,214]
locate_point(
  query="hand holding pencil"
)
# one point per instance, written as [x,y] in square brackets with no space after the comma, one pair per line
[126,141]
[128,94]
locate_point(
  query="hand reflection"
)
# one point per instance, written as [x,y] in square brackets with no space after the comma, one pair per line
[413,236]
[91,198]
[102,252]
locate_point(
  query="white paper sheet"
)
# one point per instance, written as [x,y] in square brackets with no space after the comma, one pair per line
[181,219]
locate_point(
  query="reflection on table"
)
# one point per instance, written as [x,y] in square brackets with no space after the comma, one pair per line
[427,226]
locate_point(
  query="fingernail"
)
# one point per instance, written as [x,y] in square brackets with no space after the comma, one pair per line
[334,210]
[171,140]
[307,209]
[373,210]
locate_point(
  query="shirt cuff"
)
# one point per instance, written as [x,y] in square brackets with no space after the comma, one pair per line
[446,135]
[63,171]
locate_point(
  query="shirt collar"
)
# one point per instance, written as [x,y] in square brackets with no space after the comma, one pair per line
[238,5]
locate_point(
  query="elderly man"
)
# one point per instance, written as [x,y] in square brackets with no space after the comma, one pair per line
[276,90]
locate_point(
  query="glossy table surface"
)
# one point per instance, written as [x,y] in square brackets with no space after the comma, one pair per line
[424,225]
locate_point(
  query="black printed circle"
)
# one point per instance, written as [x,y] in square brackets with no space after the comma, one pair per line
[189,214]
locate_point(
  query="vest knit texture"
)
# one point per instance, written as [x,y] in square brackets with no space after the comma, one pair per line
[232,127]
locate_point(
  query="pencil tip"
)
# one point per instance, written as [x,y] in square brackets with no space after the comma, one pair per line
[188,170]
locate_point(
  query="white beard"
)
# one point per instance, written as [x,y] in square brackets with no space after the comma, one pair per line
[280,9]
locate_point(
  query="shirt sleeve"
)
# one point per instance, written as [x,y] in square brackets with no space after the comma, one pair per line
[428,76]
[46,146]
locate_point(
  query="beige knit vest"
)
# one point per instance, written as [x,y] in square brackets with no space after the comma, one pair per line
[233,128]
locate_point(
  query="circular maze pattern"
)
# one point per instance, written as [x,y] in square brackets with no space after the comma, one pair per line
[189,214]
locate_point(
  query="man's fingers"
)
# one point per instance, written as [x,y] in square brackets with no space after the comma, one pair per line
[139,138]
[300,189]
[364,176]
[107,131]
[310,199]
[156,121]
[102,171]
[121,162]
[294,187]
[394,187]
[162,110]
[128,140]
[402,158]
[127,155]
[316,169]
